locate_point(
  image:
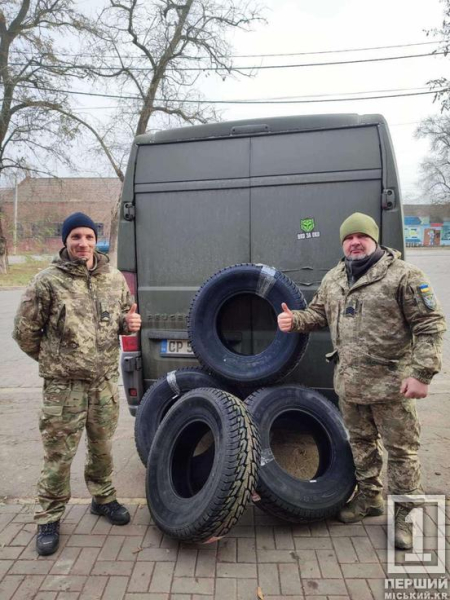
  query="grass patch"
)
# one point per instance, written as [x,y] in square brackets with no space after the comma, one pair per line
[21,274]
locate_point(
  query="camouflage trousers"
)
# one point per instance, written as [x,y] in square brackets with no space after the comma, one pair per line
[397,426]
[68,408]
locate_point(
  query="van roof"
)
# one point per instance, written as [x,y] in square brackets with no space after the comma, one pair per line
[259,126]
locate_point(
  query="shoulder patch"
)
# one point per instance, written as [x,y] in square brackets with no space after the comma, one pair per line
[427,295]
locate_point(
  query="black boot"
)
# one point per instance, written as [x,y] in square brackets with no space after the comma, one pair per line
[116,513]
[47,539]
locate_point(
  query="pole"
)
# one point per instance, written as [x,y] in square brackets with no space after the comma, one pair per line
[16,203]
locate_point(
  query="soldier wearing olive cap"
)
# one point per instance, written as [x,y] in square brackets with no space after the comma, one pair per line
[69,320]
[386,327]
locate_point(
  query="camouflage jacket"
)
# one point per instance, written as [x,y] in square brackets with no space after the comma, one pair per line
[70,318]
[386,327]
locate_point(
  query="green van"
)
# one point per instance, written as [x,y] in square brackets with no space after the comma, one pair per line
[266,191]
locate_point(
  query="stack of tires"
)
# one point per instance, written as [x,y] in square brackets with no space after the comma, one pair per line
[208,452]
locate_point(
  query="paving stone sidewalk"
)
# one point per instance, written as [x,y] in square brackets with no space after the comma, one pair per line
[137,562]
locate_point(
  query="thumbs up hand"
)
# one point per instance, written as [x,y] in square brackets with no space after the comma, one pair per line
[133,319]
[285,319]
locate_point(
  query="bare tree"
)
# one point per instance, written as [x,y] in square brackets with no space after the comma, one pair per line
[156,54]
[442,84]
[156,51]
[153,54]
[435,168]
[3,249]
[35,123]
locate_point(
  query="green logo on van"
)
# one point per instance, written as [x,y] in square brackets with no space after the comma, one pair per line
[307,225]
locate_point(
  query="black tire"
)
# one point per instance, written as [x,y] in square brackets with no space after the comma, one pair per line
[293,408]
[256,281]
[206,514]
[159,398]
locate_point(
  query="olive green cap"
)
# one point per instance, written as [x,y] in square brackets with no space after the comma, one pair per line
[359,223]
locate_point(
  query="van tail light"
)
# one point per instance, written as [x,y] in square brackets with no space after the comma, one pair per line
[131,280]
[130,343]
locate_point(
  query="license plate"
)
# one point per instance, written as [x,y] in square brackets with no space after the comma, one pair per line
[176,348]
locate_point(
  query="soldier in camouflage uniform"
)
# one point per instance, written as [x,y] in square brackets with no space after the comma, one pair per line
[386,327]
[69,320]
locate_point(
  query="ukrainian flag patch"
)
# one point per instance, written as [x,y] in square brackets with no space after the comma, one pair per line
[427,296]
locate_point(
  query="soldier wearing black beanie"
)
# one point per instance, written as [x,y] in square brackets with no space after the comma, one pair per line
[78,219]
[69,320]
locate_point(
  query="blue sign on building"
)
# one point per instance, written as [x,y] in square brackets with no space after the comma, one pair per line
[419,231]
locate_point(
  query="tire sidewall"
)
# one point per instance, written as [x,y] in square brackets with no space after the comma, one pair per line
[181,512]
[201,515]
[332,487]
[277,359]
[158,400]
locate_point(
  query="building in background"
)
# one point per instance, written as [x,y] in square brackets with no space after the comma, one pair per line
[427,224]
[32,214]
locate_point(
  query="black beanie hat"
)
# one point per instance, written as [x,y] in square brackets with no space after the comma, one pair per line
[78,219]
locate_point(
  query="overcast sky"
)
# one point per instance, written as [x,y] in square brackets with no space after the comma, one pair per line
[313,26]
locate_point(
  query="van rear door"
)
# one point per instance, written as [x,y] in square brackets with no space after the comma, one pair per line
[192,219]
[304,184]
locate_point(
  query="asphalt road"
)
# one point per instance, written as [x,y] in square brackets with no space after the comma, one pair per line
[20,448]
